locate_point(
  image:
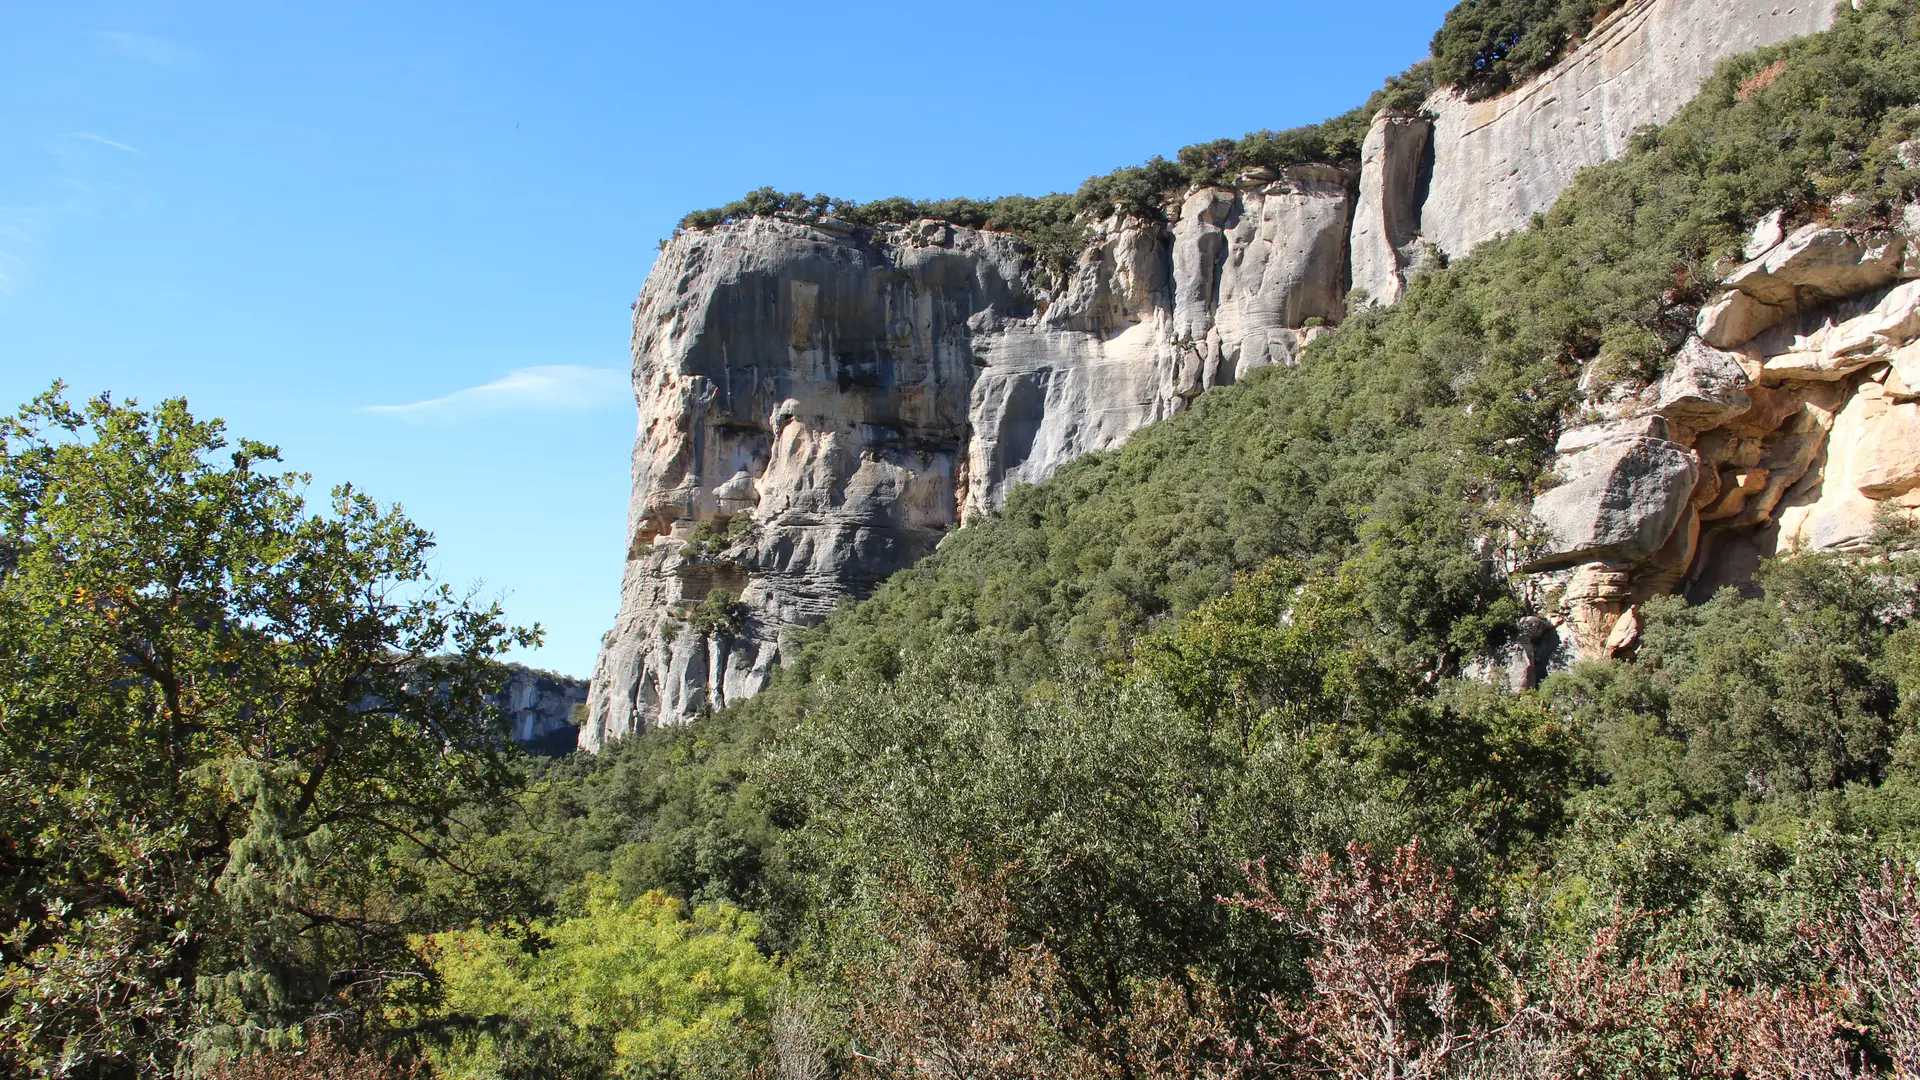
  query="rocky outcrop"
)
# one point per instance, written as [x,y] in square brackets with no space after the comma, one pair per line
[1794,430]
[1619,500]
[820,404]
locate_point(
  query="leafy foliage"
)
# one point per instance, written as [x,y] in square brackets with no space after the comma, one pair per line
[635,988]
[1486,46]
[681,810]
[237,737]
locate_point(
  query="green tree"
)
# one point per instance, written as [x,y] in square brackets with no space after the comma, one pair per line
[1742,702]
[634,988]
[1487,46]
[237,734]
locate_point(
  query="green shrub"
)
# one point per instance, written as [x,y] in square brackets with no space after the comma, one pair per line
[1486,47]
[718,612]
[641,988]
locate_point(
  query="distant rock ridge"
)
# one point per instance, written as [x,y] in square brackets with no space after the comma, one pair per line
[820,404]
[539,709]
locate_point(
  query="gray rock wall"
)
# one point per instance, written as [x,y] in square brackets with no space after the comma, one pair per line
[820,404]
[1395,172]
[539,707]
[1498,162]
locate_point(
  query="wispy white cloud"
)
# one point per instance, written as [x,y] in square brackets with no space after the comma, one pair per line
[102,140]
[149,49]
[26,227]
[551,387]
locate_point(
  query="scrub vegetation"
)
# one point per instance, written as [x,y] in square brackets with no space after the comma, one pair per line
[1169,770]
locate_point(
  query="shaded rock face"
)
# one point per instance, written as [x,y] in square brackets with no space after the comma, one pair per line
[539,707]
[1796,430]
[820,404]
[1395,167]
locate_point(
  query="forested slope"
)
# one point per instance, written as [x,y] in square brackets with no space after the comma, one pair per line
[1057,725]
[1176,767]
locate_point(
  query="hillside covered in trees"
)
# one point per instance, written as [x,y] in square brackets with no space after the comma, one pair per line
[1179,766]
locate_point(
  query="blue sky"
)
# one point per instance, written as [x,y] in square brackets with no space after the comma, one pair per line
[400,240]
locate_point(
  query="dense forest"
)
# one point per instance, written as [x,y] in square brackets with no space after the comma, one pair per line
[1174,768]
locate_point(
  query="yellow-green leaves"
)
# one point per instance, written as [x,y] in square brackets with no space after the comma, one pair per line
[639,987]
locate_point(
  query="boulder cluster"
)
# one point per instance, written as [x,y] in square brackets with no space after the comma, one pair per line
[1789,421]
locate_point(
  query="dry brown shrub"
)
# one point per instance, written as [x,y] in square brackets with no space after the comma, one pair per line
[1875,950]
[1759,80]
[955,996]
[1609,1013]
[1383,1002]
[1175,1030]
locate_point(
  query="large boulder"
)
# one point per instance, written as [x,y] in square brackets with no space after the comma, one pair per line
[1704,388]
[1619,502]
[1735,319]
[1817,263]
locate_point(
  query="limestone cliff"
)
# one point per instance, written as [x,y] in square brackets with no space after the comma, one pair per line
[1498,162]
[820,403]
[539,709]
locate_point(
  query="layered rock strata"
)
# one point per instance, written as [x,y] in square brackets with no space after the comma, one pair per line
[820,404]
[1790,422]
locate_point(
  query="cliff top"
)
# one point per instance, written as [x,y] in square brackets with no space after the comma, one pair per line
[1482,49]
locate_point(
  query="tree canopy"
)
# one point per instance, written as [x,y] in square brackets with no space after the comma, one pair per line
[237,733]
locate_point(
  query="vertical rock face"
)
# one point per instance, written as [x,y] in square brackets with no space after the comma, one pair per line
[1498,162]
[539,707]
[820,404]
[1394,168]
[804,397]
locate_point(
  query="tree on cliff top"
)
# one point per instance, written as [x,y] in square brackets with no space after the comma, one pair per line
[1487,46]
[236,734]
